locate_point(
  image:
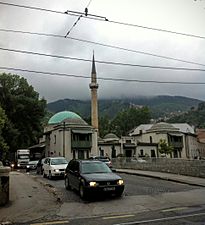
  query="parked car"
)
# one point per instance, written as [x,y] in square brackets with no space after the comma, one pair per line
[31,165]
[39,169]
[91,177]
[54,167]
[104,159]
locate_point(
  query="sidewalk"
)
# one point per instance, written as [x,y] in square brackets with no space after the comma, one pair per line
[197,181]
[29,200]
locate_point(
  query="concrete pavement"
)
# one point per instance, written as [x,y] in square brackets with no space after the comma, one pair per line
[197,181]
[30,200]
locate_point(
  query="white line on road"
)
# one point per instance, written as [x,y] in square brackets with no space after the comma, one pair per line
[118,216]
[53,222]
[162,219]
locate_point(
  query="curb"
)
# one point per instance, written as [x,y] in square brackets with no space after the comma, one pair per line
[162,178]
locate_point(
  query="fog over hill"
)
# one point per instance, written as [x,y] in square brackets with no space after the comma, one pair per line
[159,106]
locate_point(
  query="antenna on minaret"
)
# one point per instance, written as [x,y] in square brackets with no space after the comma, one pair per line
[94,100]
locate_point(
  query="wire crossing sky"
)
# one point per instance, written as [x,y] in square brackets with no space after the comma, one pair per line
[150,47]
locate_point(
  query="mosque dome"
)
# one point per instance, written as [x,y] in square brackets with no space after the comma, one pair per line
[163,127]
[110,136]
[67,117]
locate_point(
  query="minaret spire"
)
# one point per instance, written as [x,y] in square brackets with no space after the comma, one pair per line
[94,99]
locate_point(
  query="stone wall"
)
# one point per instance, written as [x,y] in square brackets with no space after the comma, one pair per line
[194,168]
[4,185]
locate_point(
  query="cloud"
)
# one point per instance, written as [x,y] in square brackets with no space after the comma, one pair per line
[184,17]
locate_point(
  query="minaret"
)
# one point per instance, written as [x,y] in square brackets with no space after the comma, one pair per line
[94,97]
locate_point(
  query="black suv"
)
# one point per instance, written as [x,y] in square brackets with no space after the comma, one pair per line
[91,177]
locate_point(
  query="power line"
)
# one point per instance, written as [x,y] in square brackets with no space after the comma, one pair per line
[102,62]
[73,26]
[102,18]
[101,78]
[102,44]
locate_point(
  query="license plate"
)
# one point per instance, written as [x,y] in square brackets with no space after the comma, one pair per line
[109,188]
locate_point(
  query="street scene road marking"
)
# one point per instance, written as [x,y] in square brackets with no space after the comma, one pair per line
[174,209]
[117,216]
[53,222]
[162,219]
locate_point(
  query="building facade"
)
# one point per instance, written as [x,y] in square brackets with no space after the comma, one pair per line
[68,135]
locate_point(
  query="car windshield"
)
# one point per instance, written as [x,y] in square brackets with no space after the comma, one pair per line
[95,167]
[58,161]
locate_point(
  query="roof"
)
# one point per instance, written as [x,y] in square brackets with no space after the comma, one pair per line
[67,117]
[179,127]
[163,127]
[184,127]
[111,136]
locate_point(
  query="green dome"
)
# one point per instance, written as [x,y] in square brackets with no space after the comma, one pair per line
[64,115]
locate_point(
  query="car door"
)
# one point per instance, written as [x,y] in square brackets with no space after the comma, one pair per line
[76,175]
[73,167]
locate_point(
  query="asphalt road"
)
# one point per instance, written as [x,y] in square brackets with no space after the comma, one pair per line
[134,185]
[145,201]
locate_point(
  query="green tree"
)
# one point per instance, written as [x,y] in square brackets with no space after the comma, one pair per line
[3,145]
[104,125]
[164,148]
[128,119]
[24,110]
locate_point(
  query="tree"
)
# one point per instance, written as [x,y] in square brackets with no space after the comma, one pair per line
[3,145]
[104,125]
[164,148]
[24,110]
[128,119]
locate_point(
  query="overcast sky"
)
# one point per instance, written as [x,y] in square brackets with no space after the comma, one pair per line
[183,16]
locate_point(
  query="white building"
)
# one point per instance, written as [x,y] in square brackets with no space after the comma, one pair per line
[68,135]
[180,135]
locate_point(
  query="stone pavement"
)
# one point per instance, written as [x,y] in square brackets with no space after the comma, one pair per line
[197,181]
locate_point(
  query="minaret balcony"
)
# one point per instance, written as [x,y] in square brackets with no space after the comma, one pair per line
[93,85]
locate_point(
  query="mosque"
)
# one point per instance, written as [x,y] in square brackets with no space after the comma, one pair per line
[68,135]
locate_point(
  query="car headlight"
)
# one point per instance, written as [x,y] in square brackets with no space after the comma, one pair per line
[57,170]
[18,164]
[93,184]
[27,166]
[12,165]
[120,182]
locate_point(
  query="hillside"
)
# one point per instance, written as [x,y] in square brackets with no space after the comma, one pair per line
[160,106]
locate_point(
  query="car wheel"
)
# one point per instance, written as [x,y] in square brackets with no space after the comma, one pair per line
[50,175]
[82,192]
[67,183]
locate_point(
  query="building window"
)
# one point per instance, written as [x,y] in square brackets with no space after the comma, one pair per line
[141,152]
[153,155]
[54,139]
[150,138]
[101,152]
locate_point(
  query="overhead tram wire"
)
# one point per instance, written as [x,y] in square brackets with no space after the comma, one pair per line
[101,78]
[102,18]
[102,44]
[102,62]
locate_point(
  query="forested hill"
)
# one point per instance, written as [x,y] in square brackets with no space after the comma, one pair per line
[160,106]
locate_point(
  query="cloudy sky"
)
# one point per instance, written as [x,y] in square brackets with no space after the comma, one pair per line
[139,44]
